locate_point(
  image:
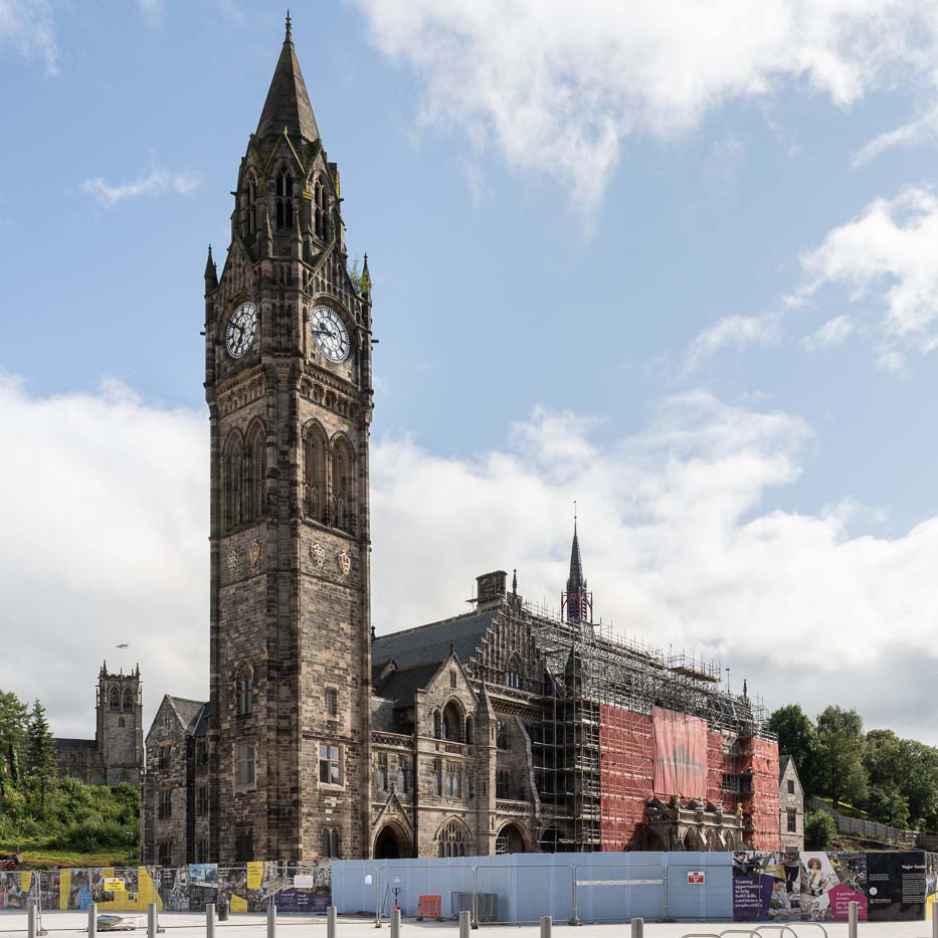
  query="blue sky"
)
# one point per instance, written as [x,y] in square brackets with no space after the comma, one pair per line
[644,259]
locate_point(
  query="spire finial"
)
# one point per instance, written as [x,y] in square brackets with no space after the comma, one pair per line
[289,35]
[514,582]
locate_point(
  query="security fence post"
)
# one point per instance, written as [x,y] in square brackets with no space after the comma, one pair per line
[464,924]
[934,918]
[31,918]
[271,918]
[474,918]
[852,916]
[330,922]
[546,923]
[209,920]
[638,928]
[92,921]
[151,920]
[395,922]
[574,917]
[378,900]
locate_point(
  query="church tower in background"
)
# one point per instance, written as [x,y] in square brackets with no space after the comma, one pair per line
[288,382]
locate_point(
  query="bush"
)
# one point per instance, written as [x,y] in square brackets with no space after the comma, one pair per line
[820,829]
[92,836]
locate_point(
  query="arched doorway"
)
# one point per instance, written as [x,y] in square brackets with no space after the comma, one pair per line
[509,840]
[388,845]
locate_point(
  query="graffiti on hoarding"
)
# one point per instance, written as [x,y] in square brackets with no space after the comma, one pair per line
[184,889]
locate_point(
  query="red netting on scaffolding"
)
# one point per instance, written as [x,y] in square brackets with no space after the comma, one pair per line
[626,774]
[762,761]
[721,765]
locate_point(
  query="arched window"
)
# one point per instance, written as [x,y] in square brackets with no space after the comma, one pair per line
[452,722]
[437,725]
[114,698]
[128,699]
[330,843]
[315,472]
[509,840]
[284,199]
[343,485]
[252,205]
[452,840]
[232,471]
[245,692]
[255,469]
[319,211]
[513,674]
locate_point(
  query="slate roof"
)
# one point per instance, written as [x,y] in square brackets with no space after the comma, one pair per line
[287,104]
[61,743]
[189,711]
[400,686]
[430,644]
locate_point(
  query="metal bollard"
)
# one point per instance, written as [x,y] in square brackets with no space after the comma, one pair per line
[330,922]
[546,923]
[934,919]
[92,921]
[31,918]
[638,928]
[209,920]
[395,922]
[464,924]
[271,918]
[853,910]
[151,920]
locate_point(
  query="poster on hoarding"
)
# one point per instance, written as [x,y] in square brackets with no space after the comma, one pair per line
[897,886]
[680,754]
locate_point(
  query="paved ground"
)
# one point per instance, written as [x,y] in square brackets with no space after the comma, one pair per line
[182,925]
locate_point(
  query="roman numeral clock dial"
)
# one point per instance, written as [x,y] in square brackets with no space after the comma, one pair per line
[241,330]
[330,334]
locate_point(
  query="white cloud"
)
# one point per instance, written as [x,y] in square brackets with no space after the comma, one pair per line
[921,130]
[28,26]
[885,260]
[556,86]
[731,331]
[155,182]
[105,524]
[834,332]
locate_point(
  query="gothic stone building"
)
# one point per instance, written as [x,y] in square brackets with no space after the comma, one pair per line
[500,729]
[115,755]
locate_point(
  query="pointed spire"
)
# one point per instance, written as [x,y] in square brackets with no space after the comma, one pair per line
[514,582]
[576,581]
[211,272]
[577,600]
[287,105]
[364,282]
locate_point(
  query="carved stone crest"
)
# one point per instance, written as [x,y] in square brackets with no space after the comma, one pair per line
[257,554]
[317,554]
[344,559]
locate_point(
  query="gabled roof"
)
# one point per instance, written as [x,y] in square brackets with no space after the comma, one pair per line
[430,644]
[287,104]
[188,711]
[783,764]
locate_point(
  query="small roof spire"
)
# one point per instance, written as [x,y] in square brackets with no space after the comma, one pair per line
[289,34]
[514,581]
[211,272]
[364,281]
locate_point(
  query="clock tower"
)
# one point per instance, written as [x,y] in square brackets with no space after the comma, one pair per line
[288,381]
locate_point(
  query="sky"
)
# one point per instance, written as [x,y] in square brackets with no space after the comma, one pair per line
[678,262]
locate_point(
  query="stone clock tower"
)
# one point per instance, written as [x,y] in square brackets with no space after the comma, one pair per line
[288,382]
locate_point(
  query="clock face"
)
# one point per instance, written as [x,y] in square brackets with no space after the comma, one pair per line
[330,334]
[241,330]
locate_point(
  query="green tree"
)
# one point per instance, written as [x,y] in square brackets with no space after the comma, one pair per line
[797,738]
[14,723]
[820,829]
[888,805]
[40,765]
[840,755]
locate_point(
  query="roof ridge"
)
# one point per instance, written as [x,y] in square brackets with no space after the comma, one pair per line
[427,625]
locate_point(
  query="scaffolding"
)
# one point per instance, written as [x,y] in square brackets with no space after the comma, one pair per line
[588,666]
